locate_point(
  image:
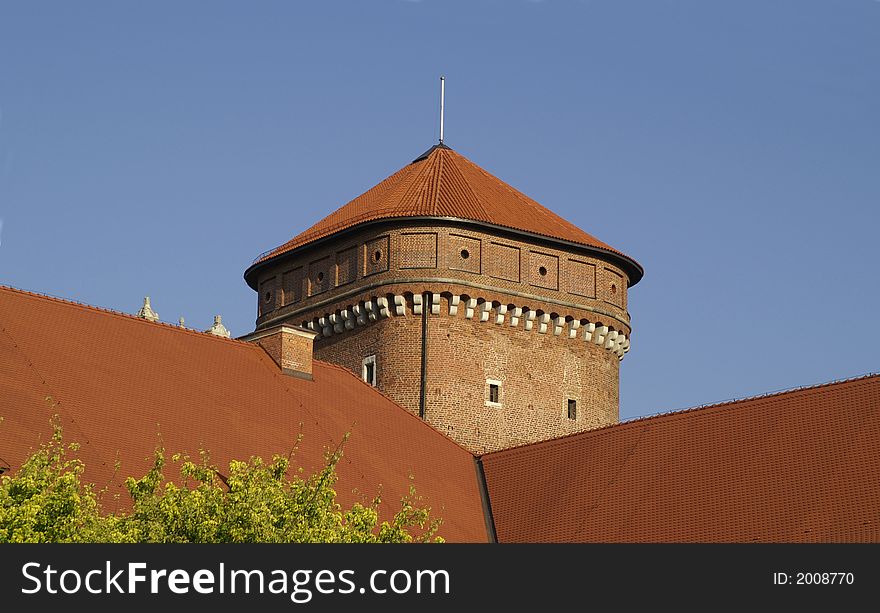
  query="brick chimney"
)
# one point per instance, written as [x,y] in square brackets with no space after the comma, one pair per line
[290,347]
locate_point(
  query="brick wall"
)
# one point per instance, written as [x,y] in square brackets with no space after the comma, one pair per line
[406,252]
[538,372]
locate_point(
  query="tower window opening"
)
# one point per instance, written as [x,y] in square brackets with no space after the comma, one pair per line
[613,289]
[465,254]
[377,256]
[572,408]
[368,371]
[268,296]
[542,271]
[494,393]
[320,277]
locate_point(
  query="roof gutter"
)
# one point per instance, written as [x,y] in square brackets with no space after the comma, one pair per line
[487,503]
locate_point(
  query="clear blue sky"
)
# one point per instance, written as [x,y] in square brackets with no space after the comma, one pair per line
[732,148]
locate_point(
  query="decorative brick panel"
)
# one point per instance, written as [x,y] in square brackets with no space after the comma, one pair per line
[376,255]
[418,250]
[503,261]
[580,278]
[543,270]
[267,296]
[523,286]
[293,285]
[612,287]
[346,266]
[463,253]
[320,275]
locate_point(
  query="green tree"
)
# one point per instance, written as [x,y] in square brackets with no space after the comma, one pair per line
[46,500]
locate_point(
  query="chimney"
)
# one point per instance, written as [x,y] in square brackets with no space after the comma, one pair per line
[290,347]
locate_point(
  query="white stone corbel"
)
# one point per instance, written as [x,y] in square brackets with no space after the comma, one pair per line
[599,335]
[399,305]
[515,314]
[542,323]
[499,314]
[360,313]
[469,308]
[625,345]
[484,311]
[558,324]
[382,307]
[435,304]
[338,324]
[417,304]
[371,310]
[348,318]
[589,329]
[573,328]
[530,320]
[313,326]
[453,305]
[609,339]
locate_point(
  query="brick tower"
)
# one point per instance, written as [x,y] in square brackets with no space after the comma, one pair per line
[462,299]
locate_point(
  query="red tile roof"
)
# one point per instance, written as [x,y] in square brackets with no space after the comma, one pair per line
[791,467]
[118,381]
[800,466]
[443,183]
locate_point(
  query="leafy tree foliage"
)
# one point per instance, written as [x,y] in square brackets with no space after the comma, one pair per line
[46,500]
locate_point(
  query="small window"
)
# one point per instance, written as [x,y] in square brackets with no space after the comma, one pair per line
[320,277]
[494,393]
[377,256]
[613,289]
[369,370]
[268,296]
[542,271]
[465,254]
[572,408]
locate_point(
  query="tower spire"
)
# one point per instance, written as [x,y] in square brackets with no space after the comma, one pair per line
[442,103]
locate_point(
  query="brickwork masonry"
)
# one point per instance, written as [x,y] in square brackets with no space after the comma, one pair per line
[477,309]
[540,361]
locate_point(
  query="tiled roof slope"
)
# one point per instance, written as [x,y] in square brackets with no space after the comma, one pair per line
[444,183]
[800,466]
[119,381]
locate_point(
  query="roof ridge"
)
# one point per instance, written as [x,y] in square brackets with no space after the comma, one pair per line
[437,179]
[466,184]
[724,405]
[404,175]
[771,394]
[414,190]
[108,311]
[545,213]
[52,395]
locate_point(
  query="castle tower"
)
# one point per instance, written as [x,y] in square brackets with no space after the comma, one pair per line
[462,299]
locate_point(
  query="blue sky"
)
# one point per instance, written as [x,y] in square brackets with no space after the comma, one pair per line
[732,148]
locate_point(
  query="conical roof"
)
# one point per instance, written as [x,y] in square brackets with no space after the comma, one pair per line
[442,183]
